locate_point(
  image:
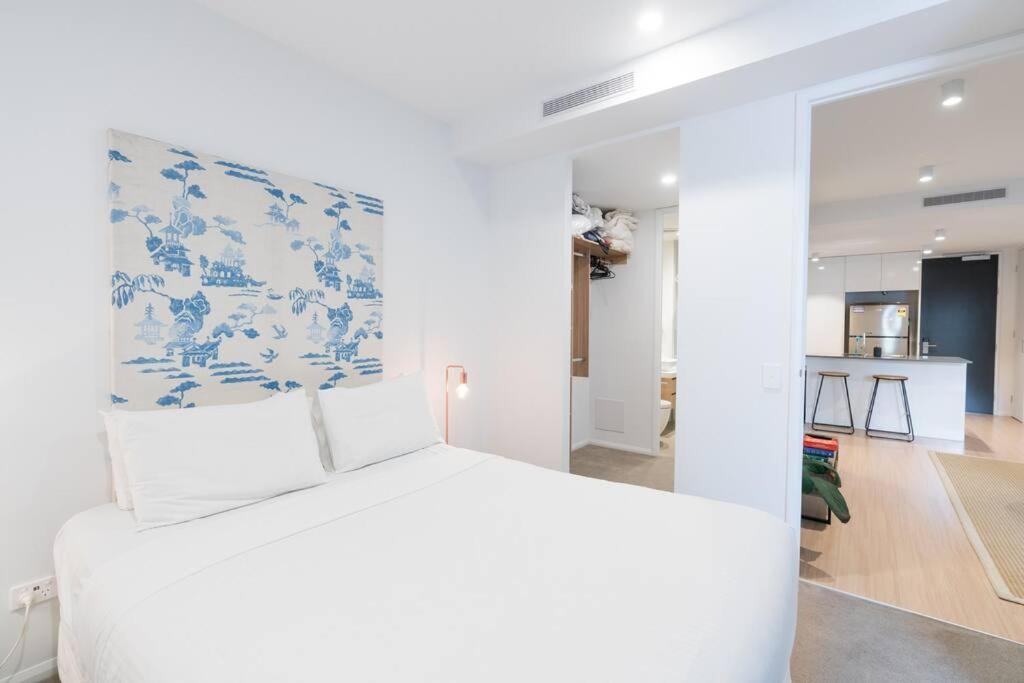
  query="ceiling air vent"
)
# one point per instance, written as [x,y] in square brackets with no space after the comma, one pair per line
[980,195]
[592,93]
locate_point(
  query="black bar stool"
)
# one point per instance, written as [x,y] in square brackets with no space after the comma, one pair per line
[884,433]
[825,426]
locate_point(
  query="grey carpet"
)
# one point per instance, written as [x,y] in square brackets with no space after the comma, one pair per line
[628,468]
[843,638]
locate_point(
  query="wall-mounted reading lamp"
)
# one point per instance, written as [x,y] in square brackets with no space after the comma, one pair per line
[461,390]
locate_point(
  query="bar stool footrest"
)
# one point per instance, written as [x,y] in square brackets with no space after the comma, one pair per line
[833,428]
[892,436]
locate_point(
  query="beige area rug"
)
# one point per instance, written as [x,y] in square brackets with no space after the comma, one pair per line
[988,495]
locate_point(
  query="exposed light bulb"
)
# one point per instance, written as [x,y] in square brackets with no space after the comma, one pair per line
[953,92]
[462,390]
[649,21]
[926,174]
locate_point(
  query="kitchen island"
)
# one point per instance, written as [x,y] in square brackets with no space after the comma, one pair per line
[936,388]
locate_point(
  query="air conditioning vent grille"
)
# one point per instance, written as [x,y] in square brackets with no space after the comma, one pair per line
[592,93]
[980,195]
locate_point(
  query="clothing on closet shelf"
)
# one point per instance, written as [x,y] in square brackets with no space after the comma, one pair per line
[596,237]
[579,205]
[613,229]
[619,226]
[581,224]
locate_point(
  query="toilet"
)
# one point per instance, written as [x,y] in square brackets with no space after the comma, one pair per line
[666,413]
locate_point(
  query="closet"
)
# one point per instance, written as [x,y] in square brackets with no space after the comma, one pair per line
[584,252]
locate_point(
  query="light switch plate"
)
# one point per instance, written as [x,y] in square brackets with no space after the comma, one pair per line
[771,376]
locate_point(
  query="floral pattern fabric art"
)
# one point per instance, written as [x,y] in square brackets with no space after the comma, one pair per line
[231,283]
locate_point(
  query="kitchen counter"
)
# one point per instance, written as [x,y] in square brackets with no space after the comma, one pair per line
[929,359]
[936,389]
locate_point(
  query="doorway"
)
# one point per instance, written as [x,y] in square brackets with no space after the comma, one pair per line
[906,207]
[958,318]
[619,423]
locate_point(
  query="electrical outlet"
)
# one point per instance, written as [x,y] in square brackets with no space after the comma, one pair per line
[41,590]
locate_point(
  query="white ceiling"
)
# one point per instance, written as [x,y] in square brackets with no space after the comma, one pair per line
[449,58]
[627,174]
[968,228]
[874,144]
[867,151]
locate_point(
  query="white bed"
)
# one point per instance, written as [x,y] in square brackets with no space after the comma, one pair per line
[441,565]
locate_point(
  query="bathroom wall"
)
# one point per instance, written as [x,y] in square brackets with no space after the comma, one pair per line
[581,418]
[669,282]
[623,323]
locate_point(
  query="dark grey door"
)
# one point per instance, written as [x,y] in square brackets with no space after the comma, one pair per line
[958,316]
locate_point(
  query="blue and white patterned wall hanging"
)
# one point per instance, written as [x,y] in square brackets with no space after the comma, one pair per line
[231,283]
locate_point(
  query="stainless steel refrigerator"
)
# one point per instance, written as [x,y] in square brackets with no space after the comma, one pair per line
[887,326]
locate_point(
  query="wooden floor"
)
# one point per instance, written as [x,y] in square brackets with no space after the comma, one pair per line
[904,544]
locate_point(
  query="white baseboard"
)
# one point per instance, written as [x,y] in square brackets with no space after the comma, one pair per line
[621,447]
[42,671]
[581,444]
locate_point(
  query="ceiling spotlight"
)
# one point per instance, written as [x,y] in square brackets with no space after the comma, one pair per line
[821,267]
[953,92]
[940,235]
[917,268]
[668,179]
[649,21]
[918,261]
[926,174]
[926,250]
[815,258]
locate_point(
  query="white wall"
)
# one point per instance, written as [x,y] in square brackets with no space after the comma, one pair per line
[623,324]
[826,306]
[530,261]
[669,293]
[176,72]
[1018,340]
[740,264]
[1006,393]
[581,419]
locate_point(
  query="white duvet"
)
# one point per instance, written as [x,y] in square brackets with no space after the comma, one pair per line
[442,565]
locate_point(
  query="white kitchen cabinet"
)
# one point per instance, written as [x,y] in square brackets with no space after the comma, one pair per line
[864,273]
[826,306]
[900,271]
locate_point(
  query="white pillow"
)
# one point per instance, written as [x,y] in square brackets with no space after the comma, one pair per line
[379,421]
[122,493]
[185,464]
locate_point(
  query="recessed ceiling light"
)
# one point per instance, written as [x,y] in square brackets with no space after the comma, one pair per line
[940,235]
[815,258]
[821,267]
[926,250]
[918,261]
[668,179]
[917,268]
[926,174]
[953,92]
[649,21]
